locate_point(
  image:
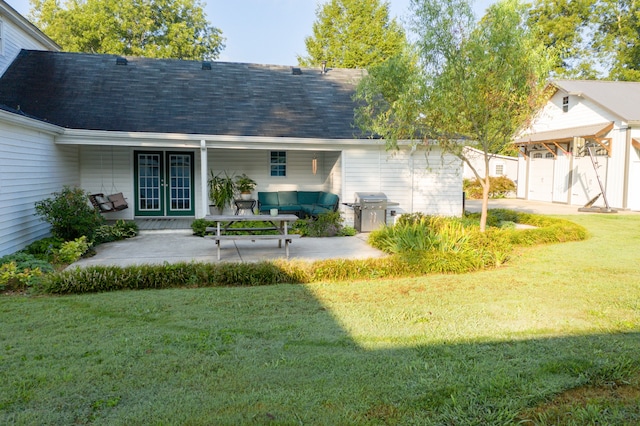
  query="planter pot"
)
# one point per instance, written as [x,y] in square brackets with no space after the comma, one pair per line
[245,196]
[214,210]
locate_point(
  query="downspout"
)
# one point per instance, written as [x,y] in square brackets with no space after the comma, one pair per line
[627,159]
[414,147]
[204,193]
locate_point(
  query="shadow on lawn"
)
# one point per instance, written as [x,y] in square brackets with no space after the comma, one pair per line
[269,355]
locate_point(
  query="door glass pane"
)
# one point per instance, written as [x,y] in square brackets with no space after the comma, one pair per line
[180,181]
[148,182]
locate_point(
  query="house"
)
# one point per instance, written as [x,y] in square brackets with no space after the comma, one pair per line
[587,134]
[154,128]
[499,165]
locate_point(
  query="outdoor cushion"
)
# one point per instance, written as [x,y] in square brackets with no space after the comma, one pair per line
[289,207]
[288,198]
[308,197]
[268,198]
[104,203]
[327,199]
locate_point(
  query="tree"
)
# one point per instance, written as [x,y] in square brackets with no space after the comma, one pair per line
[152,28]
[475,84]
[594,38]
[353,34]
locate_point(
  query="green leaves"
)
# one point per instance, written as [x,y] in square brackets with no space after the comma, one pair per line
[151,28]
[353,34]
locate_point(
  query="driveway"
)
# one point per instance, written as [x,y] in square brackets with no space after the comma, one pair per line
[528,206]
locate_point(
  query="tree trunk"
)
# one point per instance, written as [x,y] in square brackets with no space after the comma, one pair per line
[485,203]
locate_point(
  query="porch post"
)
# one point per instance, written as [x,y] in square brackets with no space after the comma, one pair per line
[204,193]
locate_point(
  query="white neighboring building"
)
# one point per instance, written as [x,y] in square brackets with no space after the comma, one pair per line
[499,165]
[601,114]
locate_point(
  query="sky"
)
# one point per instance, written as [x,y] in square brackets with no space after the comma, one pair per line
[267,31]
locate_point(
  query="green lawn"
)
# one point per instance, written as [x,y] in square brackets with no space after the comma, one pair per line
[480,348]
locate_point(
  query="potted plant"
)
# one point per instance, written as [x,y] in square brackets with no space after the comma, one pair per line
[221,190]
[244,185]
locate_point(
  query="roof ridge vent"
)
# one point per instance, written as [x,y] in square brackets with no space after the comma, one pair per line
[206,65]
[121,61]
[296,71]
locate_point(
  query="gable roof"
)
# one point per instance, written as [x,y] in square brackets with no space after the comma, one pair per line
[620,97]
[107,92]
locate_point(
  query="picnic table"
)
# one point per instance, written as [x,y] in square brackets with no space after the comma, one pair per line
[279,222]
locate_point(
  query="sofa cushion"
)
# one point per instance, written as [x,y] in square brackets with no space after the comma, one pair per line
[308,197]
[288,198]
[327,199]
[289,207]
[268,198]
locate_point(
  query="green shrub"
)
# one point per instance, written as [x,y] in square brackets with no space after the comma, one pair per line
[419,232]
[71,251]
[69,214]
[499,187]
[199,225]
[21,270]
[324,225]
[45,249]
[121,230]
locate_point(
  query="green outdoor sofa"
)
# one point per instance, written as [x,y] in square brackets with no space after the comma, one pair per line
[301,203]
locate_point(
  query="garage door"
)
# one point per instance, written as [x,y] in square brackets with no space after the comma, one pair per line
[541,178]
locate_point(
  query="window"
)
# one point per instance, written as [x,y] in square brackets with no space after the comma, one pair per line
[549,155]
[537,155]
[278,163]
[565,104]
[499,169]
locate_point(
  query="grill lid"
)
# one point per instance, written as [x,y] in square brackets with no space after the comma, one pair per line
[370,197]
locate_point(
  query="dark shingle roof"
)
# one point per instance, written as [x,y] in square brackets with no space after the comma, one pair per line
[85,91]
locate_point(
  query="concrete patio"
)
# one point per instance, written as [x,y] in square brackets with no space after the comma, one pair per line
[180,245]
[173,246]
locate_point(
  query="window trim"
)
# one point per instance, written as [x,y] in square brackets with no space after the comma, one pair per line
[280,168]
[565,104]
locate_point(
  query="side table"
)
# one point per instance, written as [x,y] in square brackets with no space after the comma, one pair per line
[245,205]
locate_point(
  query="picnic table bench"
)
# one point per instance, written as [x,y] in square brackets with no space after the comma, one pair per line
[224,231]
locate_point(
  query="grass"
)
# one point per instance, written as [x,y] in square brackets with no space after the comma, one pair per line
[536,342]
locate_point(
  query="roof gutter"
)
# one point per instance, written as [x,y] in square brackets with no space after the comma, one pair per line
[31,123]
[183,140]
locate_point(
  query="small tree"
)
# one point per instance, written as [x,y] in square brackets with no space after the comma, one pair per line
[477,84]
[353,34]
[69,214]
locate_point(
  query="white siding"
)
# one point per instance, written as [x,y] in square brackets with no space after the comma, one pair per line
[426,181]
[32,167]
[15,39]
[523,184]
[615,168]
[108,170]
[581,112]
